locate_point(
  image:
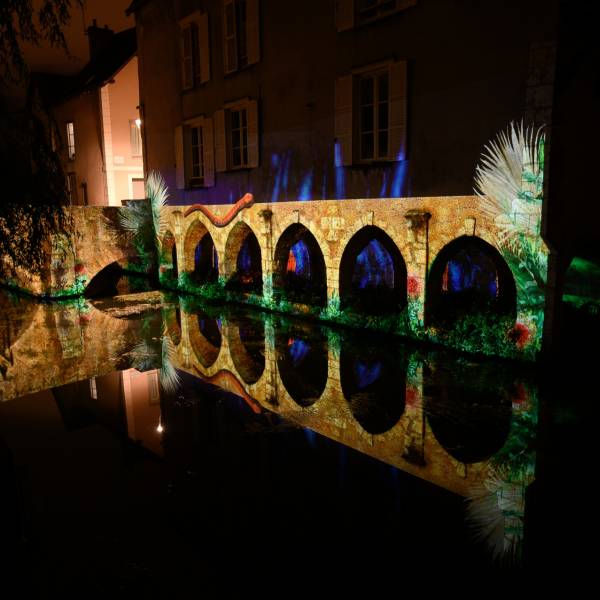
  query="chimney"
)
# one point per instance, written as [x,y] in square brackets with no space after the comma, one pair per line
[99,39]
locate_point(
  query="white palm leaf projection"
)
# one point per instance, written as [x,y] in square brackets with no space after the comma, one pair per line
[509,180]
[495,513]
[145,357]
[146,221]
[158,194]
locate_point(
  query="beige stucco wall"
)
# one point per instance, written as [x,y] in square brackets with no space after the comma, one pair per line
[122,98]
[83,110]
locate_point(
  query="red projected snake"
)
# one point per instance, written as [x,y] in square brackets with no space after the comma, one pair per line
[244,202]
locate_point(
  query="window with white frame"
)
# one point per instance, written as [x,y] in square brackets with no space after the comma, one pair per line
[195,50]
[240,34]
[238,128]
[135,137]
[370,114]
[373,110]
[71,140]
[194,154]
[236,136]
[351,13]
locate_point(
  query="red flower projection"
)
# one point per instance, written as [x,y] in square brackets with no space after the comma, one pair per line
[79,269]
[412,397]
[414,287]
[520,335]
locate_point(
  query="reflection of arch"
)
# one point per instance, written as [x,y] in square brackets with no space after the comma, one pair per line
[373,383]
[200,253]
[469,276]
[247,348]
[168,255]
[299,269]
[372,273]
[205,339]
[172,320]
[302,363]
[242,264]
[471,422]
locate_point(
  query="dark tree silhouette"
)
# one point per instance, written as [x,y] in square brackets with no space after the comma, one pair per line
[32,179]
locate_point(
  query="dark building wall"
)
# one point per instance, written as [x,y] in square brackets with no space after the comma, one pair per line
[467,61]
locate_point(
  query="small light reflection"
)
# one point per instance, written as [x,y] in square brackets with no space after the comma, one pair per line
[160,427]
[138,122]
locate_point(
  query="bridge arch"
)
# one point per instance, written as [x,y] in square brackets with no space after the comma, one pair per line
[204,333]
[302,363]
[469,276]
[372,273]
[168,256]
[246,340]
[243,259]
[299,270]
[201,258]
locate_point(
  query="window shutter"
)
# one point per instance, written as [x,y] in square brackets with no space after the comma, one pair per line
[398,110]
[209,153]
[187,61]
[179,159]
[204,46]
[253,133]
[344,14]
[229,37]
[343,120]
[252,31]
[220,141]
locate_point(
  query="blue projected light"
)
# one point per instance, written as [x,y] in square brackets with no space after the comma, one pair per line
[374,267]
[299,260]
[471,271]
[297,350]
[244,260]
[306,187]
[366,374]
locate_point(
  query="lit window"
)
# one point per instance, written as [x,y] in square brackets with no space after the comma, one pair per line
[72,188]
[238,121]
[93,389]
[197,156]
[194,154]
[71,140]
[370,114]
[374,109]
[135,135]
[195,48]
[240,34]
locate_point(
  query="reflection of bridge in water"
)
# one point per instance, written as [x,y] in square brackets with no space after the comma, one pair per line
[394,404]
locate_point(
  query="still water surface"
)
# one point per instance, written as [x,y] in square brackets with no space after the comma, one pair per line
[155,443]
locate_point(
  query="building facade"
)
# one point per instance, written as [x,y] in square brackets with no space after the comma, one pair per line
[346,99]
[96,128]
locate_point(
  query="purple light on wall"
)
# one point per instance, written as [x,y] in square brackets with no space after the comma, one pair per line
[374,267]
[399,179]
[305,192]
[340,181]
[383,190]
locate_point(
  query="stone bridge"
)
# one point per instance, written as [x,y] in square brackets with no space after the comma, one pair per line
[318,251]
[419,236]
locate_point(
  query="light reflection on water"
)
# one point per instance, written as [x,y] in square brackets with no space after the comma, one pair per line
[466,427]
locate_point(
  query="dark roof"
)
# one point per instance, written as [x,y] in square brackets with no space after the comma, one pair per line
[134,6]
[55,89]
[108,63]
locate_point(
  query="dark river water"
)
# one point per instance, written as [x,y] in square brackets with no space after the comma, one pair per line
[153,444]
